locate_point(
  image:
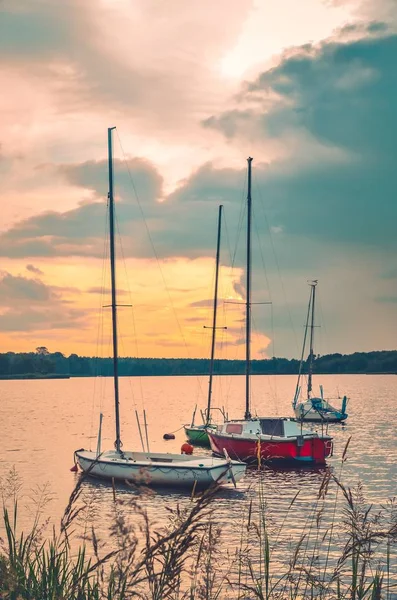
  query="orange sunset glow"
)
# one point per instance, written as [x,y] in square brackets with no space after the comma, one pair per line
[194,90]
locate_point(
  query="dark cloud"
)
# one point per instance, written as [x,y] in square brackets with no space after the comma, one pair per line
[339,98]
[82,231]
[29,304]
[129,175]
[388,299]
[207,302]
[183,224]
[340,94]
[17,288]
[36,319]
[101,291]
[34,270]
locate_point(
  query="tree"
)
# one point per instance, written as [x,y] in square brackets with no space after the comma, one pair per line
[42,350]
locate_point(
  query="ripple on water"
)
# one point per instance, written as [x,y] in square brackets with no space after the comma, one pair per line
[43,422]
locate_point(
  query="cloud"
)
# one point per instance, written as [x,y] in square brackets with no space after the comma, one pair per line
[320,125]
[20,288]
[102,291]
[388,299]
[34,270]
[91,60]
[206,302]
[134,174]
[35,319]
[180,225]
[337,102]
[81,231]
[29,304]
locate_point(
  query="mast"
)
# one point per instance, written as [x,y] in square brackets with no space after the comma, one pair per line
[311,355]
[218,244]
[247,414]
[117,443]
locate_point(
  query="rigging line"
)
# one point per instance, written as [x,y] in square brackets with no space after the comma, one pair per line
[204,335]
[324,337]
[303,347]
[132,316]
[101,324]
[262,255]
[276,261]
[155,253]
[103,320]
[243,208]
[223,348]
[240,222]
[123,347]
[274,354]
[226,309]
[100,321]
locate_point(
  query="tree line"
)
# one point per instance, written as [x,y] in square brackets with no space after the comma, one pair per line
[43,363]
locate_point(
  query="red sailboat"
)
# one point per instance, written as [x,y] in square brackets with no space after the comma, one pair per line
[276,440]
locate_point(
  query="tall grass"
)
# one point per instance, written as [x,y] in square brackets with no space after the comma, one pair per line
[350,557]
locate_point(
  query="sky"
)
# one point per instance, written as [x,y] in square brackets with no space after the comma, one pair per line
[308,89]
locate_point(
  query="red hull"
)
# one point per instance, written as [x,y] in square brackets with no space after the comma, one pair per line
[312,451]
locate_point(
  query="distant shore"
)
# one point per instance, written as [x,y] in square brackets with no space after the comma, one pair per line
[31,376]
[35,376]
[44,364]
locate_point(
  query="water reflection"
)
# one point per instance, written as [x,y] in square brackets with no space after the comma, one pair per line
[41,434]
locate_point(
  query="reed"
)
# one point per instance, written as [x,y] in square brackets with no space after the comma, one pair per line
[350,558]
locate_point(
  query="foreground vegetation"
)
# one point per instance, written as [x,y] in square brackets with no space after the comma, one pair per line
[353,558]
[44,363]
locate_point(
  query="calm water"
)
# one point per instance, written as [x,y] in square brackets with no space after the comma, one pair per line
[43,422]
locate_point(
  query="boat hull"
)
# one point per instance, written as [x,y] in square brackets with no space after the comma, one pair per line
[319,410]
[197,435]
[160,469]
[315,417]
[298,451]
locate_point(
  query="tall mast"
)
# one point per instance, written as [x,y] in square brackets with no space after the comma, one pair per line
[218,244]
[247,414]
[311,355]
[117,443]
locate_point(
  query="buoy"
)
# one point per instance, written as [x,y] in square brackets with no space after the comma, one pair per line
[187,449]
[74,469]
[168,436]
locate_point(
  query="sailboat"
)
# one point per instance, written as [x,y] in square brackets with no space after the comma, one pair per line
[274,440]
[314,408]
[149,468]
[198,433]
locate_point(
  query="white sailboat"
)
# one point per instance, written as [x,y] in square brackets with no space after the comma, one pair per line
[314,408]
[149,468]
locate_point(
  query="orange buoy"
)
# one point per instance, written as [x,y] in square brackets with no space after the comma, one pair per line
[74,469]
[187,449]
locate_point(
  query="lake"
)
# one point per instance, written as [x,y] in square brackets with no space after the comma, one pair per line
[44,421]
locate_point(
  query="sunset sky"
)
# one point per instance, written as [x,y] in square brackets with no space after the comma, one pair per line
[306,87]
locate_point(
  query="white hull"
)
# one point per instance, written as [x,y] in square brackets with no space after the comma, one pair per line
[157,469]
